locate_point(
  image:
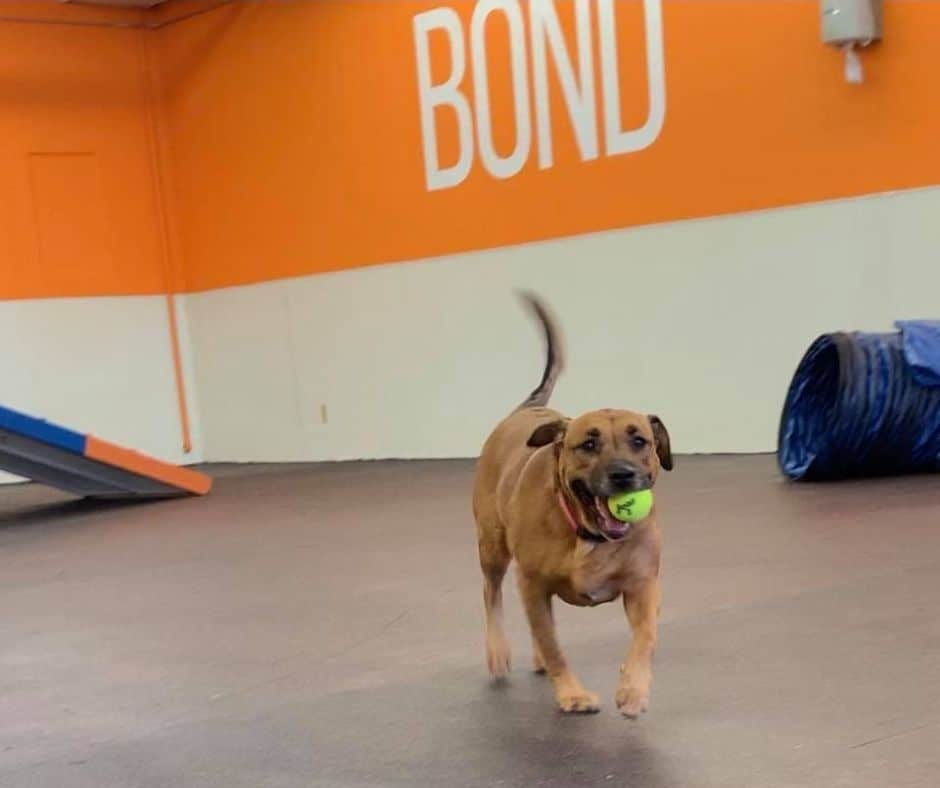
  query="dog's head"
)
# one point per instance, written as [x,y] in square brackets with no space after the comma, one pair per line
[602,454]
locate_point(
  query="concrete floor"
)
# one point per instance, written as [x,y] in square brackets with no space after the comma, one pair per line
[280,633]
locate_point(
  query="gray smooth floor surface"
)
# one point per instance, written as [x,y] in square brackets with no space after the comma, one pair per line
[322,626]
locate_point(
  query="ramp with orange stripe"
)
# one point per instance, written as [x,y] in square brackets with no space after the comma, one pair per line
[88,466]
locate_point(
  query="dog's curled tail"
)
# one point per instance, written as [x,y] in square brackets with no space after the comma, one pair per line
[554,355]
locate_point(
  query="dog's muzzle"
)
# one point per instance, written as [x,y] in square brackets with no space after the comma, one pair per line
[617,478]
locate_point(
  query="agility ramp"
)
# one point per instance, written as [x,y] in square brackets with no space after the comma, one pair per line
[88,466]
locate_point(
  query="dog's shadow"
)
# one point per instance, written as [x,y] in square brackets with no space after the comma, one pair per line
[454,729]
[541,746]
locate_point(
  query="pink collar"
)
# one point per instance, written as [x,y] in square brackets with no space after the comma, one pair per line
[569,515]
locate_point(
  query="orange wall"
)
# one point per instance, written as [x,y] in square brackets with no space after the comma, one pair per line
[292,140]
[297,145]
[78,210]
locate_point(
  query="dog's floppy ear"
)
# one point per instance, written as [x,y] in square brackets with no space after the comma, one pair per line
[547,433]
[663,447]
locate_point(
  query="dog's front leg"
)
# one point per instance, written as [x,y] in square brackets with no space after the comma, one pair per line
[642,608]
[570,695]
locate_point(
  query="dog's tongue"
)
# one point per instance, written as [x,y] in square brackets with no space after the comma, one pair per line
[611,525]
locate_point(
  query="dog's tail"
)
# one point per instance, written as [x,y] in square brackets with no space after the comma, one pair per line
[554,356]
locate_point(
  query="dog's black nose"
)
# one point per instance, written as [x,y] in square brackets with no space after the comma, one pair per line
[621,477]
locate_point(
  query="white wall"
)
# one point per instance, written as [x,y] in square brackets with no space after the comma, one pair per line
[701,322]
[98,365]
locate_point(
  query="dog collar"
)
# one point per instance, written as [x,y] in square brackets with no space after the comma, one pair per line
[580,531]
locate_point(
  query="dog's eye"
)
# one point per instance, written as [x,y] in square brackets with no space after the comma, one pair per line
[589,445]
[638,442]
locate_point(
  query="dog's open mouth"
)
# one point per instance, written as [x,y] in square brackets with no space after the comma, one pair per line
[596,510]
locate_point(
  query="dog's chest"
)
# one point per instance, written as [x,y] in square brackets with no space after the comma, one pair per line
[598,575]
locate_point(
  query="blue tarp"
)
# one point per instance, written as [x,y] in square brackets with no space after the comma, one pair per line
[921,342]
[864,405]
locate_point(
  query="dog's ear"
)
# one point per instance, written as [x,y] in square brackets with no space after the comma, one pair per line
[547,433]
[663,447]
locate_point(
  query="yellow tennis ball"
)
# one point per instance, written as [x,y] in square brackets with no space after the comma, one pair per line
[631,507]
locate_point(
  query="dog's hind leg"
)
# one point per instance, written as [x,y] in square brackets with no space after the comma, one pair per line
[494,560]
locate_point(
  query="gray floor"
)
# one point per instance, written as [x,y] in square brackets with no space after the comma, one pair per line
[321,626]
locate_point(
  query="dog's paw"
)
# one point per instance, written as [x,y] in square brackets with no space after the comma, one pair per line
[632,701]
[497,659]
[579,702]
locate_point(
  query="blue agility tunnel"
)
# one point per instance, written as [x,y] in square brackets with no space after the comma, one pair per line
[864,405]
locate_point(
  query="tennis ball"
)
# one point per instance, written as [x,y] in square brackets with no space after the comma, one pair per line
[631,507]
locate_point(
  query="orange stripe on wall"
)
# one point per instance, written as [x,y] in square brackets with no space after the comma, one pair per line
[296,131]
[294,138]
[77,199]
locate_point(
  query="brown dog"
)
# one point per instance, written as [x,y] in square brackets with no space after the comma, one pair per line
[540,498]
